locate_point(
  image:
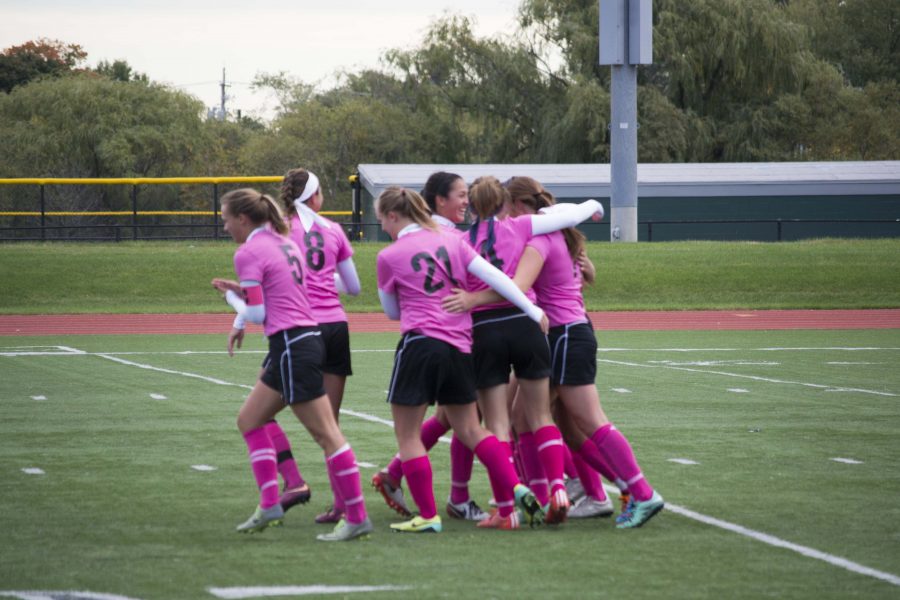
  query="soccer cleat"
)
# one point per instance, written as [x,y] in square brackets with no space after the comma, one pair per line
[468,511]
[293,497]
[262,518]
[625,500]
[391,491]
[419,525]
[332,515]
[345,531]
[495,521]
[531,508]
[558,508]
[574,489]
[641,512]
[587,507]
[627,507]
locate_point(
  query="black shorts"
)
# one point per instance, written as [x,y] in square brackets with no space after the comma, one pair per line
[428,370]
[507,337]
[294,364]
[574,354]
[336,337]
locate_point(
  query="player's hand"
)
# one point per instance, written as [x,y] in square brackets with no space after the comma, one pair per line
[223,285]
[545,324]
[235,337]
[459,301]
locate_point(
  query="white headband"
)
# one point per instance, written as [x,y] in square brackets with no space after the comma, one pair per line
[312,186]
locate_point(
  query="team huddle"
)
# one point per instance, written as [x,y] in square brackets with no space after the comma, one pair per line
[493,331]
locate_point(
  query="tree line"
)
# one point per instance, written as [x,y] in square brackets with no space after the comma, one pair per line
[732,80]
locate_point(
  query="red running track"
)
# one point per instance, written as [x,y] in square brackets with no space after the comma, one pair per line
[20,325]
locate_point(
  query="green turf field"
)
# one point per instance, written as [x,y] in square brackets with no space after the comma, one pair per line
[117,424]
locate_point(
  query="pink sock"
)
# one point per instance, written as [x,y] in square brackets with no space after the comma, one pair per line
[518,464]
[592,456]
[494,455]
[335,490]
[570,470]
[395,469]
[589,478]
[418,477]
[342,468]
[432,430]
[461,459]
[534,470]
[262,461]
[550,450]
[617,451]
[287,466]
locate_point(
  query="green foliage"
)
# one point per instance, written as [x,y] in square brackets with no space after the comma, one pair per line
[120,70]
[35,59]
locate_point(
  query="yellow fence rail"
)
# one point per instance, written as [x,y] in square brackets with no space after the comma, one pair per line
[134,213]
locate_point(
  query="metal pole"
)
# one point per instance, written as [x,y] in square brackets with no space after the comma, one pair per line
[43,215]
[623,154]
[134,215]
[216,211]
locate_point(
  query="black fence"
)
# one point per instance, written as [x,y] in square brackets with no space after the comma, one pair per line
[191,227]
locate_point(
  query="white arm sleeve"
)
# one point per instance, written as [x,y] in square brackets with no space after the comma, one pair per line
[390,305]
[346,280]
[254,314]
[548,223]
[504,286]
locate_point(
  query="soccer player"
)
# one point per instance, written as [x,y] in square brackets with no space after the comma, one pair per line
[433,361]
[553,264]
[329,270]
[503,338]
[269,290]
[447,196]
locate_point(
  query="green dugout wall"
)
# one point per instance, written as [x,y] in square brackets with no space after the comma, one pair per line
[716,201]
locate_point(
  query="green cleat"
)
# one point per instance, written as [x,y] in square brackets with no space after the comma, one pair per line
[345,531]
[530,507]
[262,518]
[641,512]
[419,525]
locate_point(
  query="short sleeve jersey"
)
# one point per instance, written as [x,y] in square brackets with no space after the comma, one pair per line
[322,248]
[274,262]
[558,286]
[510,237]
[420,269]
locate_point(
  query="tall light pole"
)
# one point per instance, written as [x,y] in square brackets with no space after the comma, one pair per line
[626,40]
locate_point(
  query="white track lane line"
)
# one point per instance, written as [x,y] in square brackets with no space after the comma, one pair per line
[685,512]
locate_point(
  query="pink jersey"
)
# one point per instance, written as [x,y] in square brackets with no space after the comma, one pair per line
[558,286]
[322,248]
[420,269]
[510,237]
[273,261]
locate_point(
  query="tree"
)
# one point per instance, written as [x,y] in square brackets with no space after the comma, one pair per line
[35,59]
[120,70]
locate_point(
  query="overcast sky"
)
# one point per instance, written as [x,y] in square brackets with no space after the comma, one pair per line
[187,43]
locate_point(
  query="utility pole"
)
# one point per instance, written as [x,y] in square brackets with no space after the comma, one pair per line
[626,40]
[222,107]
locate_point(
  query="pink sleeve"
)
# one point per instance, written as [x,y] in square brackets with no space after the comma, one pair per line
[541,243]
[345,250]
[523,227]
[467,254]
[385,276]
[246,266]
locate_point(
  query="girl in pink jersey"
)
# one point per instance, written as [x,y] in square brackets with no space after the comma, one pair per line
[433,360]
[551,262]
[269,290]
[447,196]
[329,269]
[503,340]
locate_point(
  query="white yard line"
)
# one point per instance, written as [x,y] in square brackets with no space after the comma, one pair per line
[744,376]
[238,593]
